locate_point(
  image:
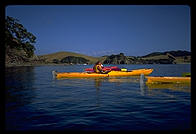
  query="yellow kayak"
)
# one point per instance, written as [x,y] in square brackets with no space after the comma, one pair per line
[136,72]
[151,79]
[173,86]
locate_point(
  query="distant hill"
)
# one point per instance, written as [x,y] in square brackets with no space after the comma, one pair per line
[168,57]
[61,55]
[174,57]
[173,53]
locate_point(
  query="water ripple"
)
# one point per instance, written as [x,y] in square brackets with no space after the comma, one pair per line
[35,101]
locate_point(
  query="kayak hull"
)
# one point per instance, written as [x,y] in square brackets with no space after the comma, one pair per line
[151,79]
[79,75]
[137,72]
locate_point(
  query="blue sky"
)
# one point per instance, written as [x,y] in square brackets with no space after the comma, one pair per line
[98,30]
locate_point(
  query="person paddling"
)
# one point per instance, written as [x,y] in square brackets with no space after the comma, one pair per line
[98,68]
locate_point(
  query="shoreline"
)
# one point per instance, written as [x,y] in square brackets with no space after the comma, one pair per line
[33,64]
[53,64]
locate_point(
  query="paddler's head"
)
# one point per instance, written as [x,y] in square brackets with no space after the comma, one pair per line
[98,63]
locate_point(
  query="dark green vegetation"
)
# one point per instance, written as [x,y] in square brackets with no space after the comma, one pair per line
[74,60]
[117,59]
[19,44]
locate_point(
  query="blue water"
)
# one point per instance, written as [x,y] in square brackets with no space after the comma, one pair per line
[36,101]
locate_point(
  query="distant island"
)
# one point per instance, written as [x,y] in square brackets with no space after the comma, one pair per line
[70,58]
[168,57]
[19,51]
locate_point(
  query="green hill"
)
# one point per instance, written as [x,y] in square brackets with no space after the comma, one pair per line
[60,55]
[177,53]
[178,57]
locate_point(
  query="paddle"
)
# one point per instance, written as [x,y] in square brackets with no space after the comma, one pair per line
[142,79]
[106,71]
[54,73]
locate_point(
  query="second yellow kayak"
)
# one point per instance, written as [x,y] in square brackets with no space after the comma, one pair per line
[151,79]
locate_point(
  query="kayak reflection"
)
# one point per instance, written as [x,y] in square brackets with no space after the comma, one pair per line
[144,87]
[77,82]
[98,82]
[117,80]
[133,79]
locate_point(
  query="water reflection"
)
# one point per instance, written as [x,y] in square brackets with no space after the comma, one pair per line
[133,79]
[144,88]
[19,83]
[97,83]
[142,85]
[118,80]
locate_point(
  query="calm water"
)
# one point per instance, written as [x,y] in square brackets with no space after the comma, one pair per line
[36,101]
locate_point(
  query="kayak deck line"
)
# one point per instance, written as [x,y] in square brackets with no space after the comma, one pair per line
[136,72]
[154,79]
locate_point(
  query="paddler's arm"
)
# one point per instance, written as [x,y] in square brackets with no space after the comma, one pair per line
[100,69]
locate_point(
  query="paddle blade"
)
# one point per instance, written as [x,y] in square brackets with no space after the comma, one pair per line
[142,79]
[142,84]
[54,74]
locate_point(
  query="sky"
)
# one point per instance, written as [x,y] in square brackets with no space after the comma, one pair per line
[98,30]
